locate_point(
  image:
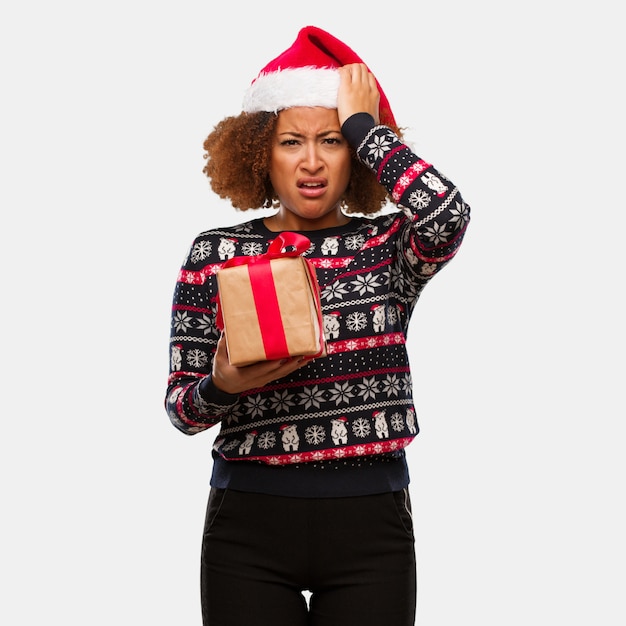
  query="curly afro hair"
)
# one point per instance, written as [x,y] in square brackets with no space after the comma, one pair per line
[237,157]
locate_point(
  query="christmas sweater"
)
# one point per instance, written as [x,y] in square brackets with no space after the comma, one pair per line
[356,400]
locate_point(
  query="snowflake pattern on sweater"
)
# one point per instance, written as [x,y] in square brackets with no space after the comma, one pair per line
[357,400]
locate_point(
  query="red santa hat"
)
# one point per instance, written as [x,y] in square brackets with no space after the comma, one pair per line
[306,75]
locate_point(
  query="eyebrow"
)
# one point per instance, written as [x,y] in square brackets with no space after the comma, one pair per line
[324,133]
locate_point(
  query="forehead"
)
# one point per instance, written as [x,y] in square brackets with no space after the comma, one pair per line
[307,119]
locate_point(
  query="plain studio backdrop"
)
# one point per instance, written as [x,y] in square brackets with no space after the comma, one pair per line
[517,346]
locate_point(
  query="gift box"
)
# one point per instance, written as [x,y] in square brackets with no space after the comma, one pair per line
[269,304]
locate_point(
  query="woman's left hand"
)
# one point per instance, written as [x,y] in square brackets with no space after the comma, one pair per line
[358,92]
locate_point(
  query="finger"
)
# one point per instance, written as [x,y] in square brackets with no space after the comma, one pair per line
[345,74]
[360,72]
[260,374]
[283,365]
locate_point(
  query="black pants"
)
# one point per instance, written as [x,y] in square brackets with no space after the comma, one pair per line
[355,555]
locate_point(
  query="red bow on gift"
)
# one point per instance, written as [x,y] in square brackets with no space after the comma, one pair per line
[286,244]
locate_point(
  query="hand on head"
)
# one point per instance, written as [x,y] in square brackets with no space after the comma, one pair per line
[358,92]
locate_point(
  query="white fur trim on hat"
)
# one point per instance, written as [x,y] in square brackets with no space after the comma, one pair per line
[303,86]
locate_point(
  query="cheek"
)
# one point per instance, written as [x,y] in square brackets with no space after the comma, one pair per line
[277,168]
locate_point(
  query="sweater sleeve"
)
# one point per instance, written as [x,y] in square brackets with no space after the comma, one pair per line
[438,214]
[192,401]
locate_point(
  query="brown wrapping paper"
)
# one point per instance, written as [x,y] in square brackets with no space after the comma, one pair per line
[298,299]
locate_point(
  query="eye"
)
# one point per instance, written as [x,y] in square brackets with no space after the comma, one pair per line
[333,140]
[289,142]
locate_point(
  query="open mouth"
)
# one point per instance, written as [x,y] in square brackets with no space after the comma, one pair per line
[307,185]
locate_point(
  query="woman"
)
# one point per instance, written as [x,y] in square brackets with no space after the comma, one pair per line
[309,489]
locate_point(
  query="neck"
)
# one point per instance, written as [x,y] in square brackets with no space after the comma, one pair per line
[286,220]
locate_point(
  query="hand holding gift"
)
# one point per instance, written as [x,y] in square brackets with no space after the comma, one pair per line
[236,379]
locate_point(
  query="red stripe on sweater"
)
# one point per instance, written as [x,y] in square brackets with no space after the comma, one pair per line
[407,178]
[366,449]
[198,277]
[365,343]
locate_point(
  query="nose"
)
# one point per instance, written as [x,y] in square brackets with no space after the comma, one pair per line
[311,160]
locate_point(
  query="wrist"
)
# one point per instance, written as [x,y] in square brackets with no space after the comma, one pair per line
[356,127]
[210,392]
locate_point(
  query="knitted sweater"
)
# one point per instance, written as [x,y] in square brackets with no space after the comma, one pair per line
[356,401]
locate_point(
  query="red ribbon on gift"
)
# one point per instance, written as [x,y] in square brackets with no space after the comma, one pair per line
[286,244]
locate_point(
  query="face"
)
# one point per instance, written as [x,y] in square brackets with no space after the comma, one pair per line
[310,169]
